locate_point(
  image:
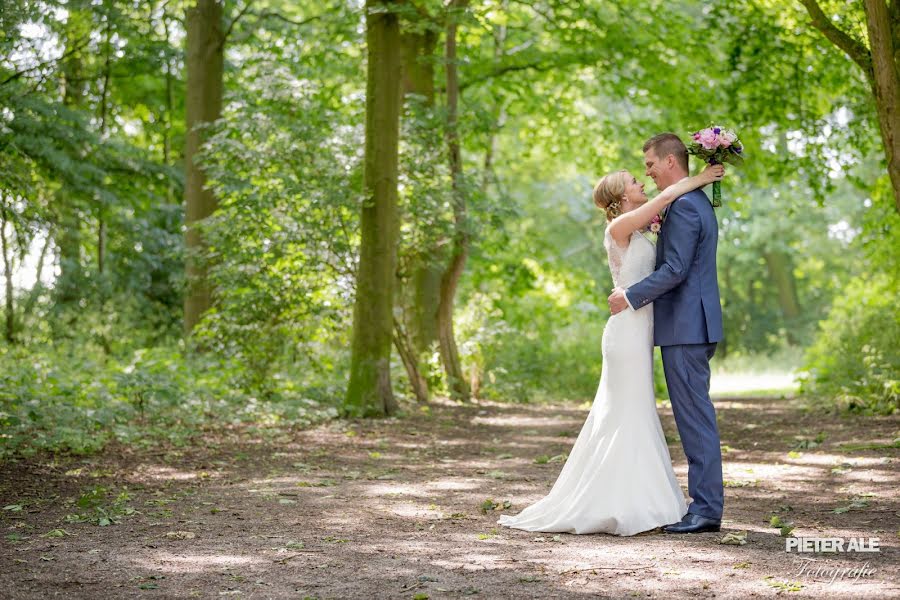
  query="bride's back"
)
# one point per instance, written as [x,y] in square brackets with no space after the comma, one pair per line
[632,263]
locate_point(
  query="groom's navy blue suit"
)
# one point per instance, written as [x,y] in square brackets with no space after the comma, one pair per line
[687,323]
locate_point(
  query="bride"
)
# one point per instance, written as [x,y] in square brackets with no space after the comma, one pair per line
[618,478]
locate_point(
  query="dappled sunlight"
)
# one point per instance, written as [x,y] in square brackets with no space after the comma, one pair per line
[300,298]
[507,421]
[735,383]
[185,562]
[388,489]
[824,459]
[407,509]
[163,473]
[422,515]
[468,484]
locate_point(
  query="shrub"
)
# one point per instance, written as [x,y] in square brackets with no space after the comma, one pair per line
[854,363]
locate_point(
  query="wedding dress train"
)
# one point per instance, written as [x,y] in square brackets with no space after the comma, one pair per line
[618,478]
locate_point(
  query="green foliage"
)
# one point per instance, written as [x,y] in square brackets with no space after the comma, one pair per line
[281,246]
[554,94]
[856,358]
[854,363]
[93,507]
[538,340]
[70,399]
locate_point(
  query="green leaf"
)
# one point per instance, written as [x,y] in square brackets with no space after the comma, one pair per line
[57,533]
[734,538]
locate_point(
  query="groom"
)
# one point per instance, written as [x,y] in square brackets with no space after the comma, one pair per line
[687,320]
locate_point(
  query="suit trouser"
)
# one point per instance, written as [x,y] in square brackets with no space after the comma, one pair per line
[687,377]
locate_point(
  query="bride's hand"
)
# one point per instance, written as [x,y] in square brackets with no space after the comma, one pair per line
[712,173]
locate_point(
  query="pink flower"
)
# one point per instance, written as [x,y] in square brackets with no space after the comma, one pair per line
[708,139]
[726,138]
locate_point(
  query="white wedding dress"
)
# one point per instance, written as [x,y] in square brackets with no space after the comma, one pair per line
[618,478]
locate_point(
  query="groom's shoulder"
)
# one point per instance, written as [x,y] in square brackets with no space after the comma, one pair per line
[696,199]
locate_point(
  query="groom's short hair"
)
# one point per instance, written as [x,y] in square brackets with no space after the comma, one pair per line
[664,144]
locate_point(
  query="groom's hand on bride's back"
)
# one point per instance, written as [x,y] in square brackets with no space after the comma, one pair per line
[617,301]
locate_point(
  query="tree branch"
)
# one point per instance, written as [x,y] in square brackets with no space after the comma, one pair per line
[235,20]
[276,15]
[540,66]
[501,71]
[423,12]
[855,49]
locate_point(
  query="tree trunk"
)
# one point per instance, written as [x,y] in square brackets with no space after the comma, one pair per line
[459,388]
[884,39]
[500,32]
[369,391]
[38,285]
[205,47]
[418,294]
[170,109]
[68,230]
[427,269]
[104,110]
[10,330]
[880,63]
[781,272]
[406,350]
[418,64]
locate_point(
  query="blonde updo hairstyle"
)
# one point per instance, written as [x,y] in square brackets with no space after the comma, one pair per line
[609,192]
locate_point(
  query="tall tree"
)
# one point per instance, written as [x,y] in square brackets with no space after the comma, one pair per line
[460,250]
[104,114]
[418,291]
[10,330]
[76,35]
[418,62]
[205,69]
[781,272]
[880,62]
[369,392]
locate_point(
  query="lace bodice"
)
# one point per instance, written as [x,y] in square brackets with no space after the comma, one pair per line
[630,264]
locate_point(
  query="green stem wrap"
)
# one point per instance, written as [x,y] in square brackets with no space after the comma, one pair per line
[717,194]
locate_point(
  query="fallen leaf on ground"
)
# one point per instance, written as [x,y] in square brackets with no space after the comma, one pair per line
[734,538]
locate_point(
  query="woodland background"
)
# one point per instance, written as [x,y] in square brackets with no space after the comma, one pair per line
[242,214]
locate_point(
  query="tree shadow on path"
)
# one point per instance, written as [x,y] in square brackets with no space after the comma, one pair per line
[397,509]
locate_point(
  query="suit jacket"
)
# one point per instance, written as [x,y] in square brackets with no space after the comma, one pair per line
[684,288]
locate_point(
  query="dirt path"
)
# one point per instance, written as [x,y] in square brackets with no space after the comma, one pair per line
[393,509]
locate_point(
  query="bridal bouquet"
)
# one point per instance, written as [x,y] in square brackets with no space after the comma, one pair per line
[717,146]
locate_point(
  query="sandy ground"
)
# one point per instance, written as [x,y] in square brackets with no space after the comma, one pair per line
[394,509]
